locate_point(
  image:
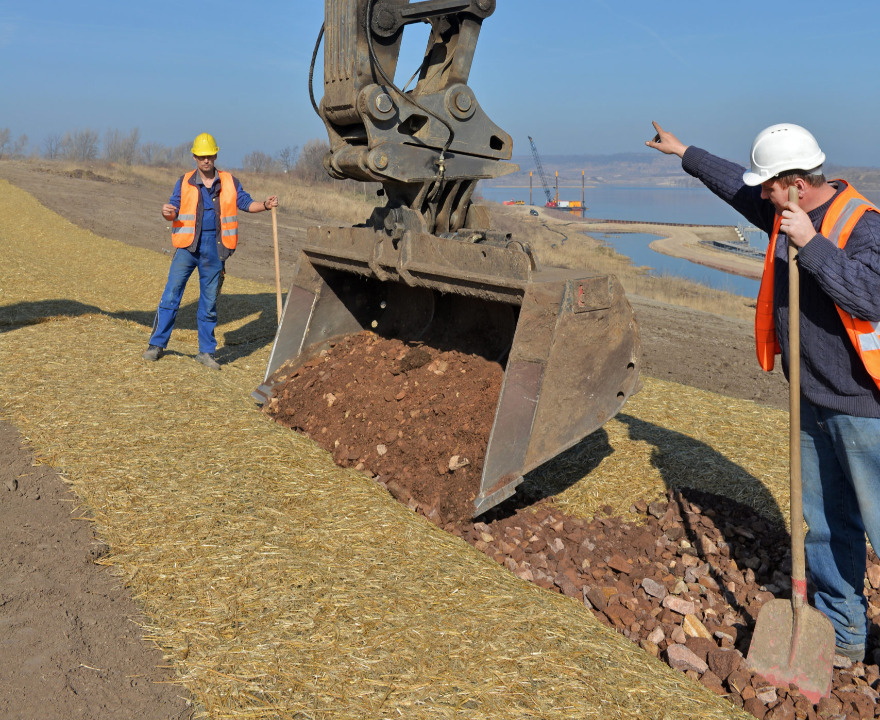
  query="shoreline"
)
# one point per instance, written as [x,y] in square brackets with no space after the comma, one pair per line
[684,243]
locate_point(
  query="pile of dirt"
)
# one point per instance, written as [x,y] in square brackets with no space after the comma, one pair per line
[686,582]
[412,416]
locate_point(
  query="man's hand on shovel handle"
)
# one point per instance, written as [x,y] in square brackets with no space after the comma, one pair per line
[797,225]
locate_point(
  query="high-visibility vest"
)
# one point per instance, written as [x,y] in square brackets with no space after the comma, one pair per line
[845,211]
[183,229]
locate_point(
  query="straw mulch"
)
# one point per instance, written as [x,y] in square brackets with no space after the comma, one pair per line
[282,586]
[672,436]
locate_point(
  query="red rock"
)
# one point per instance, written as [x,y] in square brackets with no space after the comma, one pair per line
[597,598]
[668,617]
[677,635]
[738,681]
[762,596]
[694,628]
[689,561]
[657,509]
[543,580]
[564,583]
[619,563]
[537,544]
[630,603]
[723,662]
[709,680]
[650,647]
[677,605]
[654,588]
[861,702]
[782,711]
[874,576]
[755,707]
[525,573]
[701,647]
[829,707]
[681,658]
[766,693]
[620,616]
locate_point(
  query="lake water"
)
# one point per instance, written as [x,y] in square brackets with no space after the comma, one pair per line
[692,206]
[636,247]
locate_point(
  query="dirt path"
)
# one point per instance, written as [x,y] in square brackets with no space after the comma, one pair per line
[69,636]
[67,621]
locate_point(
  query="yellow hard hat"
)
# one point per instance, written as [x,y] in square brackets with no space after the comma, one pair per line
[204,144]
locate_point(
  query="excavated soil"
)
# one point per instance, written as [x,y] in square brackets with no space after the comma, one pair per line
[686,583]
[413,416]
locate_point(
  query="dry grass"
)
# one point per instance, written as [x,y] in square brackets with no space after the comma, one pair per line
[346,203]
[673,436]
[280,585]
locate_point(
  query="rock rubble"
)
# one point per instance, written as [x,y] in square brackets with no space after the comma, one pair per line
[686,583]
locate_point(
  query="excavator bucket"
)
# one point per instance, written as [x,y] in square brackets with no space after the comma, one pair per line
[568,339]
[427,265]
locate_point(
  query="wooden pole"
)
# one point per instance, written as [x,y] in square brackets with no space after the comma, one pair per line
[277,262]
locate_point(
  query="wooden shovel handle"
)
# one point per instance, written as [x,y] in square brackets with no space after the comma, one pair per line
[277,263]
[798,564]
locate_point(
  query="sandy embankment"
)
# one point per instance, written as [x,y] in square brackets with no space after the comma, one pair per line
[684,242]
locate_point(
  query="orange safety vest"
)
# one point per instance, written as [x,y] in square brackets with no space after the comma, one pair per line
[844,213]
[183,229]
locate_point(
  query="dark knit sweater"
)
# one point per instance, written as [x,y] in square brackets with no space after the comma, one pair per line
[832,374]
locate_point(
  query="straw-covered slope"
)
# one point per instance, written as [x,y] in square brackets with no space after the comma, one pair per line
[279,584]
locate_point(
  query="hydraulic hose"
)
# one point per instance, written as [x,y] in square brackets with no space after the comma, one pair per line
[312,70]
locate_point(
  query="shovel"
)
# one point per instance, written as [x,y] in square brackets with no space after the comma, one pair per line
[794,643]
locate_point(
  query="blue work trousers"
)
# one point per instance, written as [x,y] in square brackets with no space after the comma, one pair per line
[840,456]
[210,267]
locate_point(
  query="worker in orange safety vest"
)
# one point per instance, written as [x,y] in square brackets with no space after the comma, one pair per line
[203,210]
[837,235]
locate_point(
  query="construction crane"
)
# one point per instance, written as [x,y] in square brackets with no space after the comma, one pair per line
[551,202]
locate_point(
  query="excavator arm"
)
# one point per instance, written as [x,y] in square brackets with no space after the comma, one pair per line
[428,146]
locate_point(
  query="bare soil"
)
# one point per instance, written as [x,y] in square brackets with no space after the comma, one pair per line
[69,634]
[689,347]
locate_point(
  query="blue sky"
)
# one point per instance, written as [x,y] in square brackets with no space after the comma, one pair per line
[580,76]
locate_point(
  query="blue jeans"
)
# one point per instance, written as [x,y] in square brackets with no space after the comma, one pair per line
[840,457]
[210,266]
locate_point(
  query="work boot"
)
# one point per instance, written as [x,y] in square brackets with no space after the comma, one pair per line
[153,353]
[207,359]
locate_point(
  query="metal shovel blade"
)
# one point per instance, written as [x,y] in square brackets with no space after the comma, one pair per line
[794,647]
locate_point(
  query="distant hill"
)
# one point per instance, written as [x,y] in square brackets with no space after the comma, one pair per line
[622,168]
[641,168]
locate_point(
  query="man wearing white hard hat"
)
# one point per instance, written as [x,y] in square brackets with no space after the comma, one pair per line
[837,233]
[203,213]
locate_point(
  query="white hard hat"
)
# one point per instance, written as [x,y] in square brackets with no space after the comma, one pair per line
[783,147]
